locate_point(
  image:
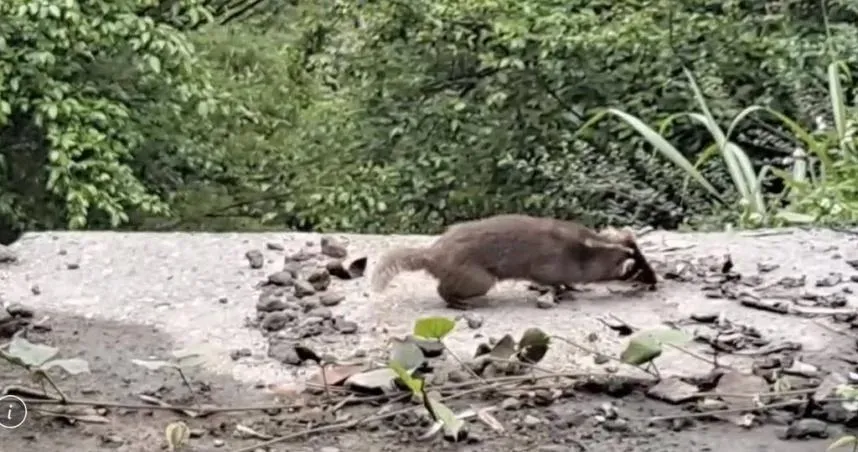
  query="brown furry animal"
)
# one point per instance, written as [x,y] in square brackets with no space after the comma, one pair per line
[470,257]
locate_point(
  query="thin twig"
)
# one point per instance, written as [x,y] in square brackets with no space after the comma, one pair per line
[45,377]
[831,328]
[351,424]
[725,411]
[594,352]
[749,395]
[462,363]
[190,388]
[351,398]
[325,380]
[143,406]
[342,403]
[495,384]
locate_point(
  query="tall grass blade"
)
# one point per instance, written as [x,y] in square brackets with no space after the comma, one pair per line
[734,157]
[665,148]
[838,103]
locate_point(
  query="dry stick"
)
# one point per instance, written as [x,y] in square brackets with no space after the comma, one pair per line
[342,403]
[831,328]
[348,399]
[45,377]
[726,411]
[356,422]
[190,388]
[462,363]
[735,410]
[325,380]
[202,410]
[143,406]
[761,394]
[495,383]
[594,352]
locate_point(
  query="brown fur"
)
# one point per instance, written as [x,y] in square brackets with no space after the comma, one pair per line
[470,257]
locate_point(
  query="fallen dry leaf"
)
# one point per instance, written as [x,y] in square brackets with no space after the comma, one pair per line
[335,374]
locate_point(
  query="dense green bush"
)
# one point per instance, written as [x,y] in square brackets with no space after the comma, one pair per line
[406,116]
[85,89]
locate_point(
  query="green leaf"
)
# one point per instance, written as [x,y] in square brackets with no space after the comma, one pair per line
[835,92]
[533,345]
[30,354]
[433,327]
[443,414]
[641,350]
[843,441]
[154,63]
[415,385]
[73,366]
[203,109]
[661,145]
[407,354]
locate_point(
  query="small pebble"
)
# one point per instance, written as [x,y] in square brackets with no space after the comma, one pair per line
[346,327]
[474,321]
[510,404]
[331,299]
[531,421]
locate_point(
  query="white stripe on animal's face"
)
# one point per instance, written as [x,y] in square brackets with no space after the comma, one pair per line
[627,267]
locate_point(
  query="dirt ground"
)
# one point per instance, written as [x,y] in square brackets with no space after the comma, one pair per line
[110,298]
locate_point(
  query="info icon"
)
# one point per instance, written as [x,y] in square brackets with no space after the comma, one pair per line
[13,412]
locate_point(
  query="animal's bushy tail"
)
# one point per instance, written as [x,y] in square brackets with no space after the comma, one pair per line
[397,261]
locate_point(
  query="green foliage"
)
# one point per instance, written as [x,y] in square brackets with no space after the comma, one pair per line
[440,413]
[408,355]
[407,116]
[434,327]
[40,357]
[82,83]
[849,394]
[533,345]
[645,346]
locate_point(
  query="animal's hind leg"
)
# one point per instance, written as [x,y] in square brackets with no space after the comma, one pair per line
[460,288]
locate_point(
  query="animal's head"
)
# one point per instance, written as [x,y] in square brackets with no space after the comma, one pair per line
[636,268]
[599,259]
